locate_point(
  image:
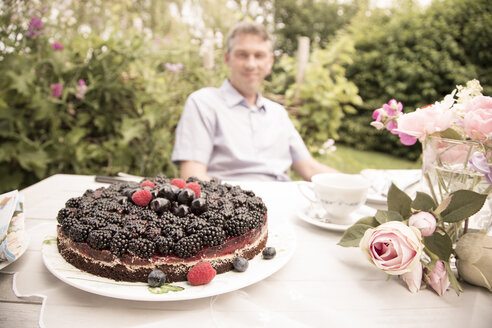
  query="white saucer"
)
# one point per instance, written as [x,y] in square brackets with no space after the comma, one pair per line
[317,216]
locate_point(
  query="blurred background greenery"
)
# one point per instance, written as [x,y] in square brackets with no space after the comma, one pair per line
[97,87]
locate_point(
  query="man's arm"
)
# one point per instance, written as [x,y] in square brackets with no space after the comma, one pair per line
[308,167]
[193,169]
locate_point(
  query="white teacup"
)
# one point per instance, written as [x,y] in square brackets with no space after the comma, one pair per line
[340,194]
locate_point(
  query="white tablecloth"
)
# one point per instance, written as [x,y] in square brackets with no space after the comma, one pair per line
[323,285]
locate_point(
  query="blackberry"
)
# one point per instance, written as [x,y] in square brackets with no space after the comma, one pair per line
[173,232]
[240,211]
[79,232]
[151,232]
[112,227]
[68,222]
[212,236]
[188,246]
[240,200]
[111,217]
[99,239]
[164,245]
[255,220]
[73,202]
[215,219]
[136,227]
[63,214]
[119,244]
[195,225]
[192,179]
[256,204]
[236,226]
[96,223]
[141,247]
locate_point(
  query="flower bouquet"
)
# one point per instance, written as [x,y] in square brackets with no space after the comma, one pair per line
[419,238]
[410,239]
[456,134]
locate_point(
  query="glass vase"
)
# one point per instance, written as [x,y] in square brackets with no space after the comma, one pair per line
[446,168]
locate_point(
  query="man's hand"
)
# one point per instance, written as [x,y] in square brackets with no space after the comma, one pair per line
[193,169]
[308,167]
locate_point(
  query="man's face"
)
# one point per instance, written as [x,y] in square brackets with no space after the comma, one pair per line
[250,60]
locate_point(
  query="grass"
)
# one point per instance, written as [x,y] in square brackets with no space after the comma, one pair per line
[349,160]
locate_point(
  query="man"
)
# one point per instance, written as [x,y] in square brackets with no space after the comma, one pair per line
[232,132]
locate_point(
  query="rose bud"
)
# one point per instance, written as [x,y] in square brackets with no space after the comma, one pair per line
[438,278]
[413,279]
[424,221]
[474,251]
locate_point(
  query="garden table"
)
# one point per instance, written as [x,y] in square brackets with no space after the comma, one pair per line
[323,285]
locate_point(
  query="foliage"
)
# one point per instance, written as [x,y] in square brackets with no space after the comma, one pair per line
[416,57]
[125,120]
[326,95]
[318,20]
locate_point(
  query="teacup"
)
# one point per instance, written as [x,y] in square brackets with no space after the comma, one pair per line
[340,194]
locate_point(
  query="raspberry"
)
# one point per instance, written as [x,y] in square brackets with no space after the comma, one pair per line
[195,187]
[201,274]
[147,183]
[180,183]
[142,197]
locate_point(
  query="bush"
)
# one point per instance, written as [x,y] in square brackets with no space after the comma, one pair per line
[124,121]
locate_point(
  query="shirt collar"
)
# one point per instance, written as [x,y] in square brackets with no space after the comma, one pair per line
[233,97]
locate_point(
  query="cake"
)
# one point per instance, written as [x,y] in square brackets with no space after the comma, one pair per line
[126,230]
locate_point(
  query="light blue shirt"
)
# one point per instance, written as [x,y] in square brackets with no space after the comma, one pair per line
[237,142]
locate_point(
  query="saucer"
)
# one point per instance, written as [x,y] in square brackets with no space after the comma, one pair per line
[317,216]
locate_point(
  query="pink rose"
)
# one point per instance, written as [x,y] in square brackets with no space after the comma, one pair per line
[478,118]
[424,221]
[438,278]
[425,121]
[393,247]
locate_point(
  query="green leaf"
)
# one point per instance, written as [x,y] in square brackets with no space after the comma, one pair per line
[352,236]
[165,289]
[450,133]
[385,216]
[423,202]
[399,201]
[463,204]
[368,220]
[440,244]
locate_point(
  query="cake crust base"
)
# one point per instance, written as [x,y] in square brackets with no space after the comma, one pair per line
[104,264]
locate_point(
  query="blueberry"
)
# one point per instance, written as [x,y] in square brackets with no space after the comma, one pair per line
[168,192]
[181,211]
[159,205]
[156,278]
[186,196]
[240,264]
[269,253]
[198,206]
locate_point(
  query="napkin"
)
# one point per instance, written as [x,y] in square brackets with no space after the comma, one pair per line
[12,230]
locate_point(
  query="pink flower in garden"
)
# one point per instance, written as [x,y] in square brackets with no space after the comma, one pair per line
[438,278]
[393,247]
[35,26]
[424,221]
[386,115]
[57,46]
[425,121]
[479,163]
[478,118]
[174,67]
[56,90]
[80,89]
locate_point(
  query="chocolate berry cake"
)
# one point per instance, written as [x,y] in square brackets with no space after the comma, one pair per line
[126,230]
